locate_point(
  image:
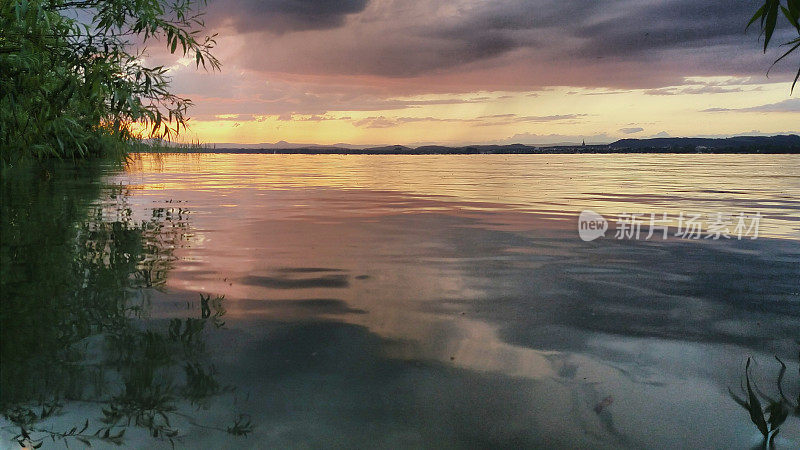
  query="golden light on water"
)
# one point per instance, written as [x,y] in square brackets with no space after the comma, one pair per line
[556,186]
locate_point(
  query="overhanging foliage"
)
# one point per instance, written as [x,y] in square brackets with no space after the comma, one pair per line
[74,88]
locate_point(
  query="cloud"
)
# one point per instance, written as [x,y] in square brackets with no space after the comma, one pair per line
[790,105]
[308,118]
[631,130]
[521,42]
[748,133]
[699,86]
[281,16]
[633,28]
[375,122]
[693,90]
[507,119]
[513,118]
[315,60]
[492,120]
[246,94]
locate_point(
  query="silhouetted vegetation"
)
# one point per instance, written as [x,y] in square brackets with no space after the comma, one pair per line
[767,418]
[75,88]
[767,17]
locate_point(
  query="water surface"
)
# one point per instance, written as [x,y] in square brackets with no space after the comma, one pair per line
[430,301]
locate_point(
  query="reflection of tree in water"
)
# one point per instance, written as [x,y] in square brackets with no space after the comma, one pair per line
[155,239]
[74,293]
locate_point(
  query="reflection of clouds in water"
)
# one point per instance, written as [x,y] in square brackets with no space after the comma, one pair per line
[474,345]
[331,383]
[408,319]
[682,290]
[327,281]
[316,381]
[518,281]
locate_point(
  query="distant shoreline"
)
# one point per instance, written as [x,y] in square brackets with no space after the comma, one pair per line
[781,144]
[459,151]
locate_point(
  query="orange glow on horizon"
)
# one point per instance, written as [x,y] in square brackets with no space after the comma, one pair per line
[540,117]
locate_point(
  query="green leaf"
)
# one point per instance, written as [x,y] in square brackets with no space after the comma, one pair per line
[793,48]
[756,412]
[790,17]
[794,8]
[742,402]
[778,412]
[770,19]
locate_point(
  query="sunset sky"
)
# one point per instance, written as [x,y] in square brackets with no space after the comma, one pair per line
[375,72]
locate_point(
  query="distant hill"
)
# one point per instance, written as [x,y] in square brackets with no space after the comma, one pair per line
[791,141]
[739,144]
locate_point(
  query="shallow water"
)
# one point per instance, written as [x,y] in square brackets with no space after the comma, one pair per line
[429,301]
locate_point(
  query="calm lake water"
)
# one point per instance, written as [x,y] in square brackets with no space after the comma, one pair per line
[398,302]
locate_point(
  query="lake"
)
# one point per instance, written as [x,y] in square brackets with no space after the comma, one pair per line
[274,301]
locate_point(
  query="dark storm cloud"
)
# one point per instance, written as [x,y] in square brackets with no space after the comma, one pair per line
[503,44]
[522,15]
[674,24]
[621,29]
[399,56]
[281,16]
